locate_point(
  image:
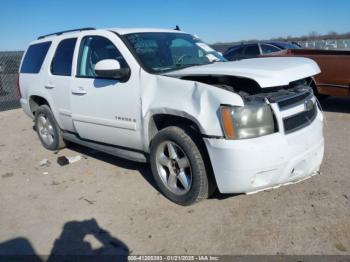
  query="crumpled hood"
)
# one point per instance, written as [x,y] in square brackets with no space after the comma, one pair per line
[267,72]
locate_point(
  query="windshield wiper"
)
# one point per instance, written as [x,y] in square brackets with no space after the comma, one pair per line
[181,66]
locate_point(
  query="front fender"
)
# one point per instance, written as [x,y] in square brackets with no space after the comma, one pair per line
[195,101]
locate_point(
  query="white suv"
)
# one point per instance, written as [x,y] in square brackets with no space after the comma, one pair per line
[166,97]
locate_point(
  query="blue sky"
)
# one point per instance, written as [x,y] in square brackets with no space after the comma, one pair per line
[214,21]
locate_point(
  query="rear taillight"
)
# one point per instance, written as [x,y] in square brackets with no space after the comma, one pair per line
[18,87]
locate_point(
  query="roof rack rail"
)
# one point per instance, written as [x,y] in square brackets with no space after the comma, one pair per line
[67,31]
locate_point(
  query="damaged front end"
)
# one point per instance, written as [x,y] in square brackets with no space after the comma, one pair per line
[266,110]
[250,90]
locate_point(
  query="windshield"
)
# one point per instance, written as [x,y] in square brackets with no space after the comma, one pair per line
[163,52]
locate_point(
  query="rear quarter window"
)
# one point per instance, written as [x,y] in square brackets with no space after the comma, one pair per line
[34,58]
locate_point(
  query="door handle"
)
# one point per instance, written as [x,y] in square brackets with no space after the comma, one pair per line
[49,86]
[79,91]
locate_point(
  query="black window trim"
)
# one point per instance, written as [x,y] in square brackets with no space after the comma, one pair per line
[53,58]
[100,77]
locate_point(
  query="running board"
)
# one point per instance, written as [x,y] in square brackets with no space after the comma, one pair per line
[109,149]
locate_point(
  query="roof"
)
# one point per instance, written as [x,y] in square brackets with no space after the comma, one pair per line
[121,31]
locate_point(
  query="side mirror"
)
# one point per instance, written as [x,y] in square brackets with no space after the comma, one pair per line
[110,68]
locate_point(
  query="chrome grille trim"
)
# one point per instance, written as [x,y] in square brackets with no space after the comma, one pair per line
[293,100]
[300,120]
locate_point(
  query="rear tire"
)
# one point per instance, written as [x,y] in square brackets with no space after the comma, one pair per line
[48,129]
[178,167]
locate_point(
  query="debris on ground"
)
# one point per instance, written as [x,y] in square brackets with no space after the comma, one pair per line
[6,175]
[45,162]
[55,183]
[45,173]
[63,160]
[74,159]
[91,202]
[340,247]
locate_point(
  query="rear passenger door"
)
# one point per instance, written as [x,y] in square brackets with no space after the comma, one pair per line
[59,80]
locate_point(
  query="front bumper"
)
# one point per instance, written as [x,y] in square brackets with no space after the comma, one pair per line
[251,165]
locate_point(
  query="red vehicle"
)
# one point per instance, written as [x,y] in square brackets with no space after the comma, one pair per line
[334,79]
[335,65]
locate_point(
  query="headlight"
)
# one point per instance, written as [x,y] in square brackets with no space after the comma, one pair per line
[251,120]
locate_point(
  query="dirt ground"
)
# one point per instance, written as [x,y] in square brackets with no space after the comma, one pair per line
[102,204]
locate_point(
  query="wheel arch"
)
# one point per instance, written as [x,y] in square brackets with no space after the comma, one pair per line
[35,101]
[159,120]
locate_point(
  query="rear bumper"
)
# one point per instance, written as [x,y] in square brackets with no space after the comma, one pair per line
[251,165]
[26,108]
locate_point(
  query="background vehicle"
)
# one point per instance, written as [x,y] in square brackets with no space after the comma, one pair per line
[253,50]
[166,97]
[335,65]
[334,79]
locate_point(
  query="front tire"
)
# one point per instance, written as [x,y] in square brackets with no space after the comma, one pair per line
[47,129]
[178,167]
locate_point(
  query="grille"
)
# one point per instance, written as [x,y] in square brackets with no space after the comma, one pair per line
[294,100]
[298,121]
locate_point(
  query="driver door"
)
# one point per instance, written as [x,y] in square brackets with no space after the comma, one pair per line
[105,110]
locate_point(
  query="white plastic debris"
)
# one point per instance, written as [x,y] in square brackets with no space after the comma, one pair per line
[74,159]
[64,160]
[45,162]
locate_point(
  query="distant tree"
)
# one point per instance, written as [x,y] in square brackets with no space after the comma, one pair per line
[313,35]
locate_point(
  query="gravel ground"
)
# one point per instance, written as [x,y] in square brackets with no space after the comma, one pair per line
[102,204]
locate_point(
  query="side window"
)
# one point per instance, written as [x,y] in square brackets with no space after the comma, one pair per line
[34,58]
[62,61]
[94,49]
[235,54]
[266,49]
[251,51]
